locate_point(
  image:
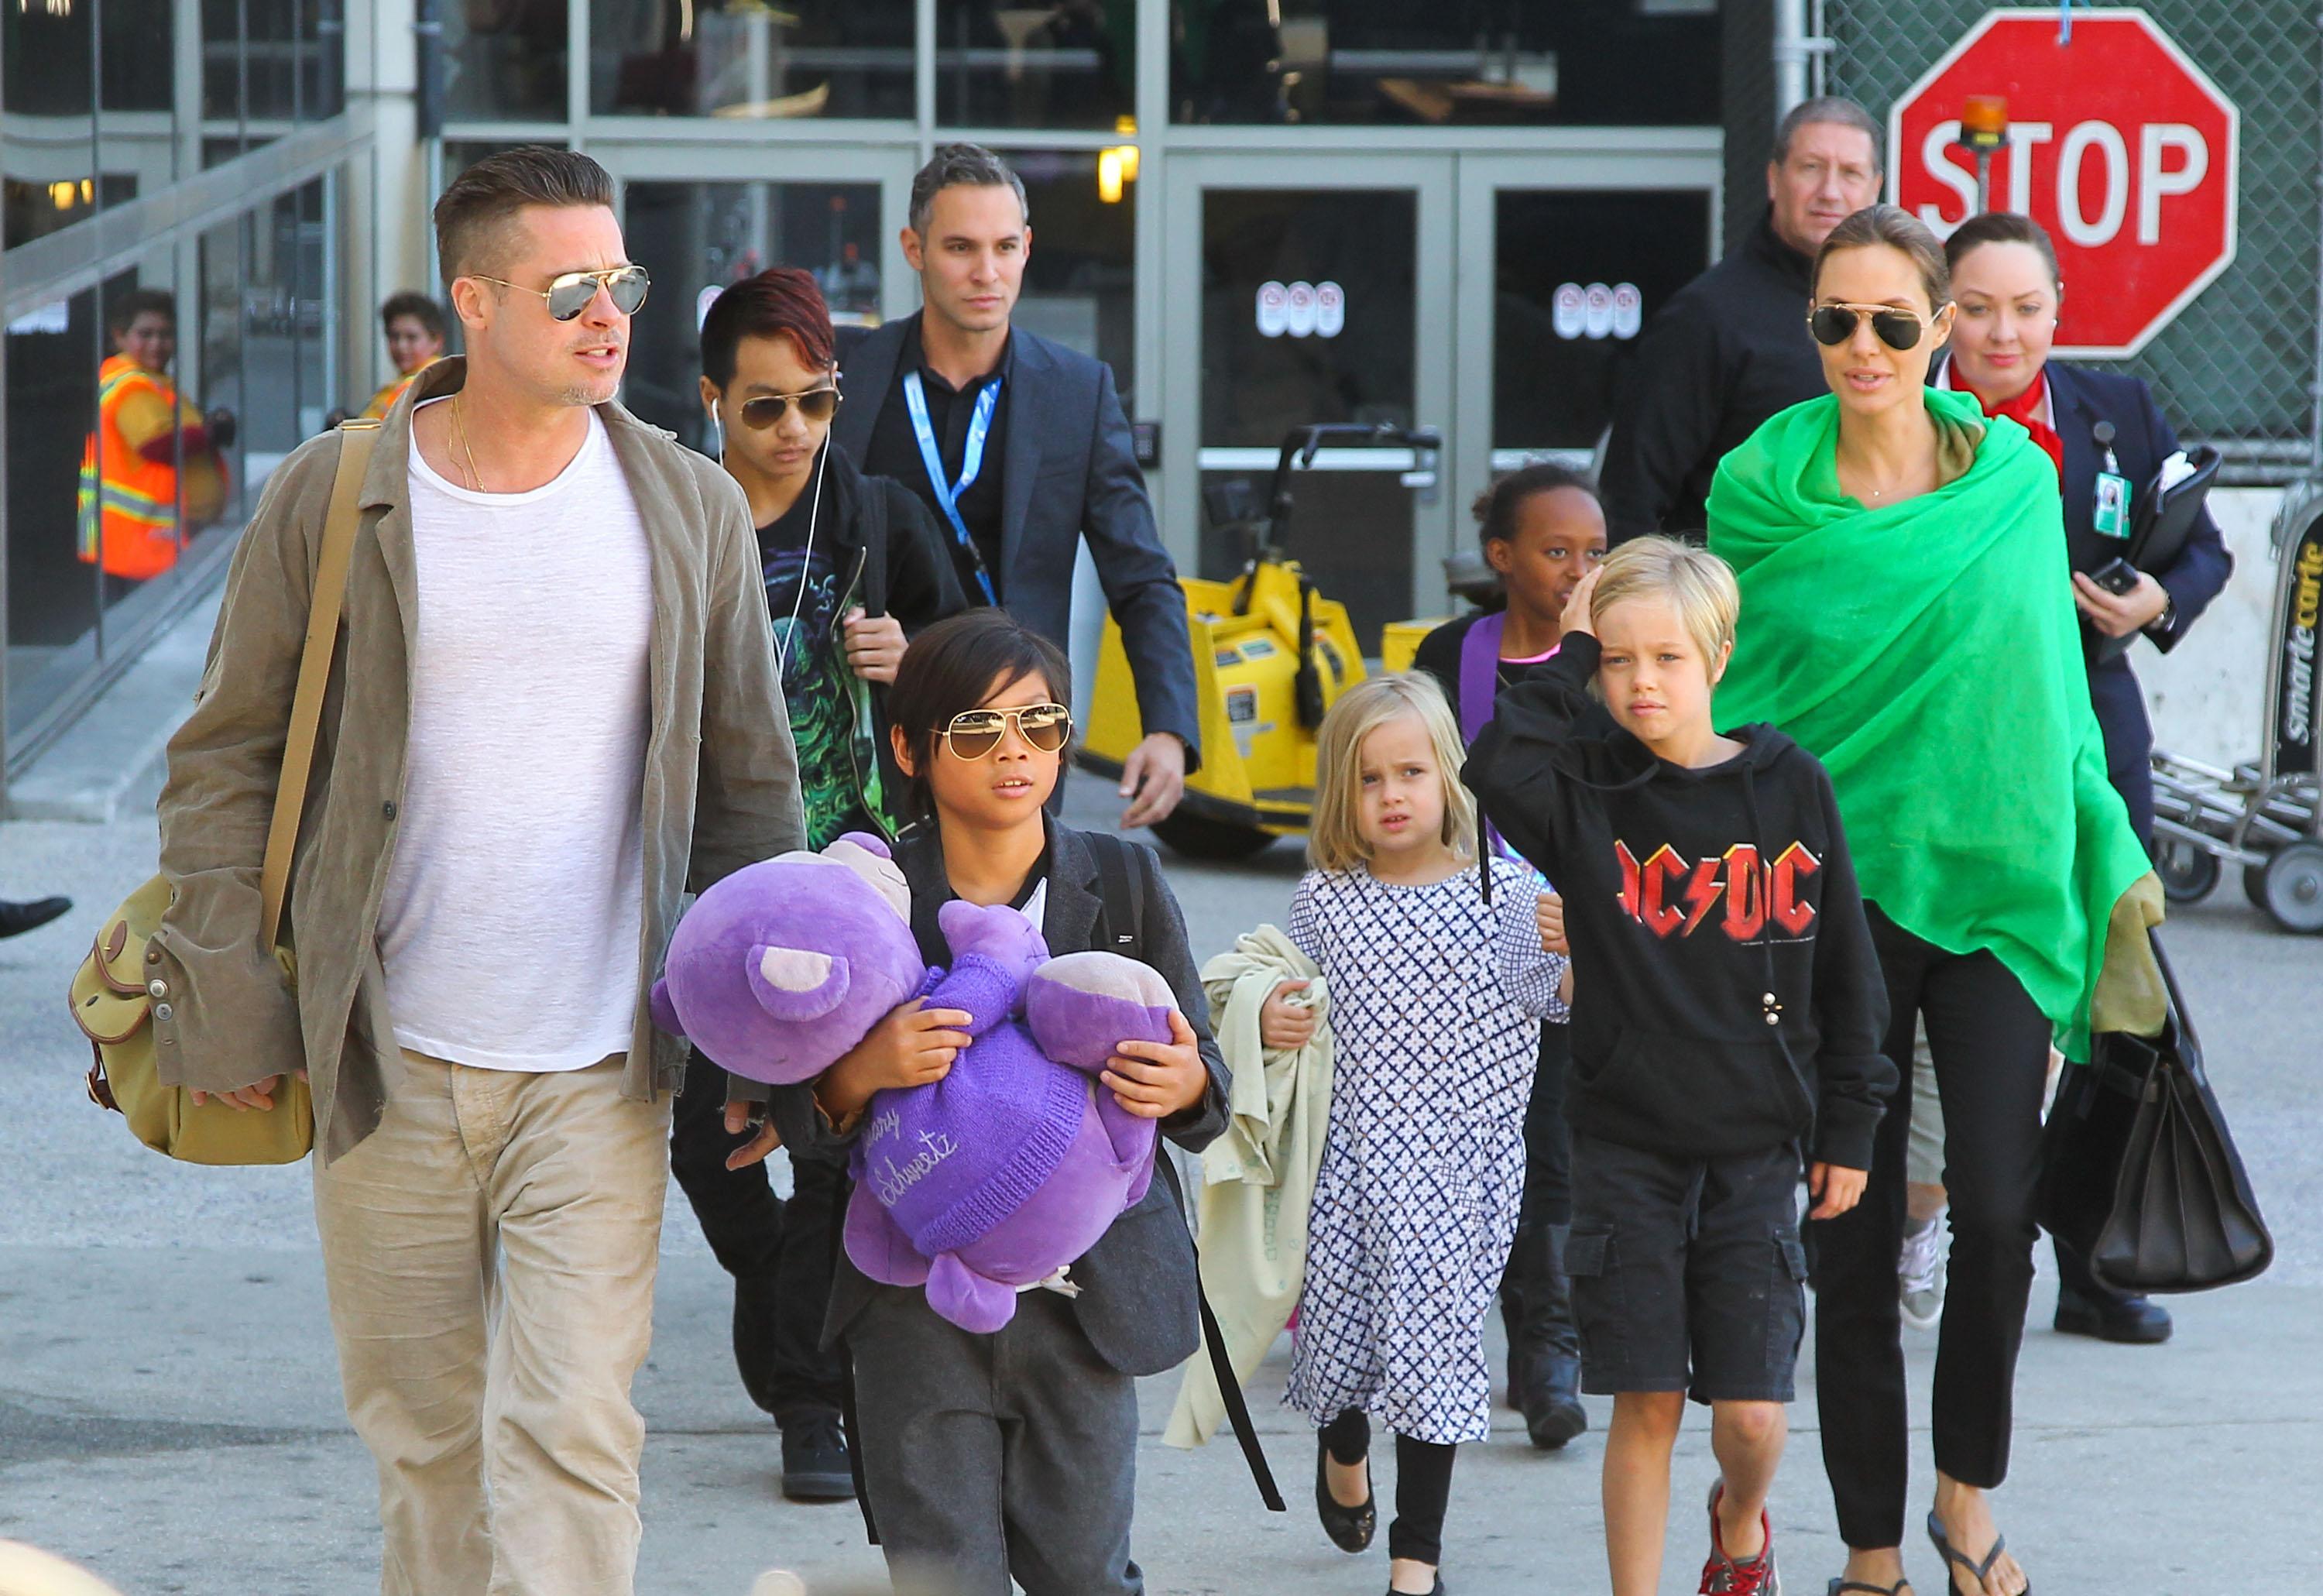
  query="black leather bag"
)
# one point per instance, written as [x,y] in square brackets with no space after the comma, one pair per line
[2139,1174]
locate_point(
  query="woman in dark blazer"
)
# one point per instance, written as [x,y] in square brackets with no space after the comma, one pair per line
[2093,423]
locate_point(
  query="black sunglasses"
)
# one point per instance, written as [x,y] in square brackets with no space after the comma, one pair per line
[1834,324]
[569,293]
[816,404]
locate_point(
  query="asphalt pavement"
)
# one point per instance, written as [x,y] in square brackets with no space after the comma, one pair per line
[170,1409]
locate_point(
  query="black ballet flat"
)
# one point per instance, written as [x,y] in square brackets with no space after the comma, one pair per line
[1435,1590]
[1350,1528]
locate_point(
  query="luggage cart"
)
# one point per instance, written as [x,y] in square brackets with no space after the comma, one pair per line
[2266,816]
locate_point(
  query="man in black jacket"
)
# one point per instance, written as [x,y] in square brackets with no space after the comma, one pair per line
[1731,348]
[1020,448]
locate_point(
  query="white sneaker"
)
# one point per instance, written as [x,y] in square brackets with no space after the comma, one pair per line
[1920,1274]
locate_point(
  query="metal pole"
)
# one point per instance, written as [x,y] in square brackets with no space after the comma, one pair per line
[2314,390]
[1790,55]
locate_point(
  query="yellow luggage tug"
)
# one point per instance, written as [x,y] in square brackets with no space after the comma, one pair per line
[1270,655]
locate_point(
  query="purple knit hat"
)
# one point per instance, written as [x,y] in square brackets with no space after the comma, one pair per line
[951,1159]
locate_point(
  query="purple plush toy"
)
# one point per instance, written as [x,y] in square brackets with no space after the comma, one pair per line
[784,965]
[991,1179]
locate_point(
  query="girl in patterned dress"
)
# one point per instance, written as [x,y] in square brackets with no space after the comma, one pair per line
[1437,992]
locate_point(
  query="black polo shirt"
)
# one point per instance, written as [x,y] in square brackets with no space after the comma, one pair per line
[895,452]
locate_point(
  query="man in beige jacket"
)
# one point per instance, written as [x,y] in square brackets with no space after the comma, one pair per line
[554,710]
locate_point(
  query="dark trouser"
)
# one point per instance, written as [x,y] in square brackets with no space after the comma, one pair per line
[1423,1483]
[1991,1052]
[993,1457]
[1536,1304]
[779,1254]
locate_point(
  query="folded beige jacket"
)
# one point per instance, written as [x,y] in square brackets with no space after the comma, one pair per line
[1259,1178]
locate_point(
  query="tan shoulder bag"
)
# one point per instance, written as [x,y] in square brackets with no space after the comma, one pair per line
[111,1001]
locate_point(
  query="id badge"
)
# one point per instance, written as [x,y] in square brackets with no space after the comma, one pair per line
[2111,513]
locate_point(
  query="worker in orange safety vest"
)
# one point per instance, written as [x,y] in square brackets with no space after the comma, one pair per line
[154,457]
[413,325]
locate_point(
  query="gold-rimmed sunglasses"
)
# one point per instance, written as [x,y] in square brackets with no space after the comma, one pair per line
[816,404]
[974,733]
[1899,329]
[568,293]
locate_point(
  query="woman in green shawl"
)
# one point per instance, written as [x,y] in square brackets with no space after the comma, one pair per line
[1907,616]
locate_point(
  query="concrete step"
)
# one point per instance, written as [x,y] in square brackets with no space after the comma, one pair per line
[109,764]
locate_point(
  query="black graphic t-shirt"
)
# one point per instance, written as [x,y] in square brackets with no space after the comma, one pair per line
[804,597]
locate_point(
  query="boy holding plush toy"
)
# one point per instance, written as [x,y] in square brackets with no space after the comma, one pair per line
[1010,1266]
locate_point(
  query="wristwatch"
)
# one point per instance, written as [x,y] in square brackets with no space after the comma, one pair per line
[2166,619]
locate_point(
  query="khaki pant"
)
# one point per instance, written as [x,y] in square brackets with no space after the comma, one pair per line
[490,1252]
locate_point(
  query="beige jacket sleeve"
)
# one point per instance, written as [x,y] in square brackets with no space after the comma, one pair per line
[747,806]
[235,1018]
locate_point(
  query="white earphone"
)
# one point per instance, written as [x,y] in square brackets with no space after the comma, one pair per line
[806,560]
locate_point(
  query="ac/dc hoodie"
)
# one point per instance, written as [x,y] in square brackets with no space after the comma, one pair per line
[1726,994]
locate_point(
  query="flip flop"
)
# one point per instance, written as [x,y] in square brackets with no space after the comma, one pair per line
[1954,1557]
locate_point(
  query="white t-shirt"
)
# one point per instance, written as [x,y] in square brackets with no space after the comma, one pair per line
[516,897]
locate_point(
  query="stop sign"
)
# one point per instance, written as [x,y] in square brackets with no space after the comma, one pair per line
[2118,143]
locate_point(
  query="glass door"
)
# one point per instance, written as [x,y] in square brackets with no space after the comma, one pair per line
[1313,288]
[1568,260]
[701,220]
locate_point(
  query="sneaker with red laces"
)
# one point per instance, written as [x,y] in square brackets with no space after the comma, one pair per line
[1722,1576]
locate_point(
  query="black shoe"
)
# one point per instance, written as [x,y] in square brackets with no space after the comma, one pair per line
[815,1466]
[1551,1401]
[1350,1528]
[1435,1590]
[2133,1320]
[16,919]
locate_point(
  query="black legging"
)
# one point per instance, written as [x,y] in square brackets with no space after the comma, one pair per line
[1991,1051]
[1423,1483]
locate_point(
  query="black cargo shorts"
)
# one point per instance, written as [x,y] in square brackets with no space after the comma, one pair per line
[1687,1272]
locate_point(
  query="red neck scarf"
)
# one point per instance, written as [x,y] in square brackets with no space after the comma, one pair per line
[2024,409]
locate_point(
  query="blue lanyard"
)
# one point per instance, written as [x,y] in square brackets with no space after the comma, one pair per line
[971,463]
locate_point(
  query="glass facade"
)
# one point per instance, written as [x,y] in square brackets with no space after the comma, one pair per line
[696,238]
[739,59]
[1059,65]
[1455,63]
[505,60]
[150,391]
[1166,196]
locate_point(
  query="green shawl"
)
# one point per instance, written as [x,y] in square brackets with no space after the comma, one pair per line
[1929,654]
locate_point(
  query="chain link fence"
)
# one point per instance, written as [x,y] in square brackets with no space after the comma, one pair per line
[2239,367]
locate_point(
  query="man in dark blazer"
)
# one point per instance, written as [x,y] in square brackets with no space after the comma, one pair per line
[1020,447]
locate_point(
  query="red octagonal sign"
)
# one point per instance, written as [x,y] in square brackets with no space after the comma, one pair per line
[2118,143]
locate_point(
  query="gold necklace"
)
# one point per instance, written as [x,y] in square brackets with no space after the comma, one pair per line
[460,430]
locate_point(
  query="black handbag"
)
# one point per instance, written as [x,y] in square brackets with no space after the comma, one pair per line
[2139,1174]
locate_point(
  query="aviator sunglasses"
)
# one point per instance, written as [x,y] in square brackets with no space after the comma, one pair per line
[568,293]
[974,733]
[1834,324]
[816,404]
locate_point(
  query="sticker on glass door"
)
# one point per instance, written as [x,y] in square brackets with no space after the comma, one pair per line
[1600,310]
[1301,309]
